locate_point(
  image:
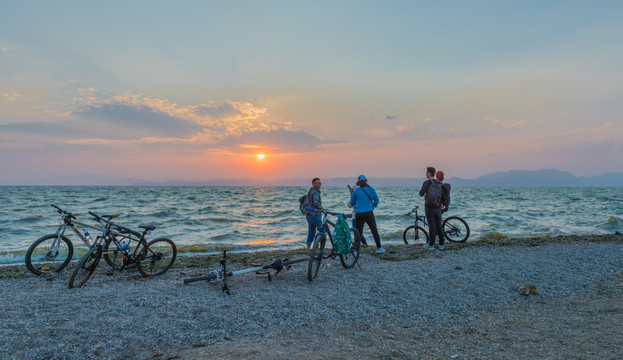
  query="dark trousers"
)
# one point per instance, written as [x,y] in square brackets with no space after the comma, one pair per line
[433,216]
[368,218]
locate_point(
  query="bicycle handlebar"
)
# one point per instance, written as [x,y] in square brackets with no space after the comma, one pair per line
[330,212]
[64,212]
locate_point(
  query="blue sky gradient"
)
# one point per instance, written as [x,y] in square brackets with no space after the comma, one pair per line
[195,89]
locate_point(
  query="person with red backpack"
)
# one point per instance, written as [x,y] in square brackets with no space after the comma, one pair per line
[434,197]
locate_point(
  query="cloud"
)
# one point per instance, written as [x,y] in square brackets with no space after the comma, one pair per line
[509,124]
[130,120]
[136,121]
[391,117]
[11,97]
[281,140]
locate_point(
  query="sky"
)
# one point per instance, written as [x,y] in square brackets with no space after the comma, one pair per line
[195,90]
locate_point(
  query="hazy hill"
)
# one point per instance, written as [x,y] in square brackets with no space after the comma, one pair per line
[509,178]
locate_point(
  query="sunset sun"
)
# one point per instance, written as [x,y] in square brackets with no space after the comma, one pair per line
[260,156]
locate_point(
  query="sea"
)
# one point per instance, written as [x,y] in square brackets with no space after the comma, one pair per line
[209,219]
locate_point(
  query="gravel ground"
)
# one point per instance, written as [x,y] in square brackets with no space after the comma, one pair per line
[456,304]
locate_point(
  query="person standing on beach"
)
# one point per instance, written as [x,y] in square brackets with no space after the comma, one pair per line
[446,196]
[446,189]
[364,243]
[432,190]
[314,221]
[364,199]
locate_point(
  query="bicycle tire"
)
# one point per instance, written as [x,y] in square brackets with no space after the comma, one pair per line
[410,236]
[48,263]
[86,267]
[455,229]
[315,257]
[116,261]
[208,277]
[157,257]
[349,259]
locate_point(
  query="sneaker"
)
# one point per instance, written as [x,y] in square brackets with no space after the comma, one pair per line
[441,247]
[364,243]
[380,250]
[429,247]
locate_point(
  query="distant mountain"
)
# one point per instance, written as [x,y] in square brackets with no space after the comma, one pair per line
[539,178]
[509,178]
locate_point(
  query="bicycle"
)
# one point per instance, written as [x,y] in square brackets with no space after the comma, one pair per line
[53,252]
[150,258]
[455,229]
[316,256]
[222,274]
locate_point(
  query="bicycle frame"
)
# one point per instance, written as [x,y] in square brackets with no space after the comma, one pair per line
[74,225]
[222,274]
[417,218]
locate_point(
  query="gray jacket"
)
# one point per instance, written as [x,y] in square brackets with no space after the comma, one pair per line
[314,198]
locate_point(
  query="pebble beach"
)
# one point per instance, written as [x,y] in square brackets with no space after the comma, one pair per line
[461,303]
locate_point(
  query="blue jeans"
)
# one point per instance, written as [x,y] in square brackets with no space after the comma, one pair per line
[313,221]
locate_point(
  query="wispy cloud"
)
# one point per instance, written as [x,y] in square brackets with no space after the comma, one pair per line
[12,96]
[282,140]
[509,124]
[133,119]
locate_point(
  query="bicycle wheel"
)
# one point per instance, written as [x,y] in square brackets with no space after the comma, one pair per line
[411,235]
[349,259]
[114,257]
[157,257]
[315,257]
[85,267]
[48,254]
[455,229]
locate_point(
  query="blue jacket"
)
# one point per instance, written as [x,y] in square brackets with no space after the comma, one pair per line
[361,197]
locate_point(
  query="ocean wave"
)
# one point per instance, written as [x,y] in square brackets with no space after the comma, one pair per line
[13,257]
[612,223]
[31,218]
[493,235]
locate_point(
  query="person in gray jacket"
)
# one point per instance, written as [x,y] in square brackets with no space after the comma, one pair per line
[314,221]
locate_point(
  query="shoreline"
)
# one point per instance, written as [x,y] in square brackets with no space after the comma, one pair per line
[407,303]
[397,251]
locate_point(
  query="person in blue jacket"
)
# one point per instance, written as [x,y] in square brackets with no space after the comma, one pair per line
[364,200]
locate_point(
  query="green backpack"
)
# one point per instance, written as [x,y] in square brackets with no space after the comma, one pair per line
[341,236]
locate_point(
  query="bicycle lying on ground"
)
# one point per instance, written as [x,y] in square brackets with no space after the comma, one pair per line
[53,252]
[316,256]
[454,228]
[222,274]
[123,249]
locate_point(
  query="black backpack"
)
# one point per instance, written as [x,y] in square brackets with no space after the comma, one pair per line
[433,194]
[304,203]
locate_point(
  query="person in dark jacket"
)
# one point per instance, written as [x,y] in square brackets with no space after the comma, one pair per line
[446,191]
[433,212]
[446,196]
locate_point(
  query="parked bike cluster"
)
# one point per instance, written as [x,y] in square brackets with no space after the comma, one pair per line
[123,248]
